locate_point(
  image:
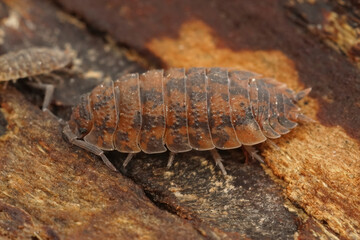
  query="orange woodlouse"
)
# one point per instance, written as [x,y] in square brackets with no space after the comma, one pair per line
[197,108]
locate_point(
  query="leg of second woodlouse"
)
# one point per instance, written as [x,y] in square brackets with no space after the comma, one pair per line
[218,160]
[87,146]
[49,92]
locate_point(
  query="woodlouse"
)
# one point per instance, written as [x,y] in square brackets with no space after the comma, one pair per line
[34,61]
[197,108]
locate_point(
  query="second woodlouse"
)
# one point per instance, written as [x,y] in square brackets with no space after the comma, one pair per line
[197,108]
[32,61]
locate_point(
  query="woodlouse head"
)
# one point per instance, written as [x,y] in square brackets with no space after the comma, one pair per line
[300,95]
[80,120]
[295,114]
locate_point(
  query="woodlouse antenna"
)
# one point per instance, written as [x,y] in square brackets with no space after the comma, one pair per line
[300,95]
[304,119]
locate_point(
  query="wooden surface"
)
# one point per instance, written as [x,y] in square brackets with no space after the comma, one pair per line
[50,191]
[307,189]
[335,22]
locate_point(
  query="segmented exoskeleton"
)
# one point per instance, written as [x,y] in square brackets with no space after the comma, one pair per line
[34,61]
[197,108]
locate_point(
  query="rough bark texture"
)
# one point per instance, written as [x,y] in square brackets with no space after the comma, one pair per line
[50,189]
[335,22]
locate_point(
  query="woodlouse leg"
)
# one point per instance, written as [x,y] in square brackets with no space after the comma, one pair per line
[218,160]
[171,159]
[304,119]
[87,146]
[246,155]
[128,159]
[253,153]
[49,92]
[273,144]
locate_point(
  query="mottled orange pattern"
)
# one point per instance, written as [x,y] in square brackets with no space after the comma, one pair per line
[218,96]
[197,108]
[126,137]
[247,128]
[197,111]
[104,116]
[153,112]
[176,134]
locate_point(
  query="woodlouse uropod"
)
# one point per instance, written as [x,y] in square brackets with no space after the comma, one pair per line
[34,61]
[197,108]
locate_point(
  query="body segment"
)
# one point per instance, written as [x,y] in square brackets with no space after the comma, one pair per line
[197,109]
[243,110]
[222,130]
[153,112]
[176,134]
[104,116]
[127,132]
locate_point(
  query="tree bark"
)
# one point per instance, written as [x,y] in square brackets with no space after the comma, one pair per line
[308,188]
